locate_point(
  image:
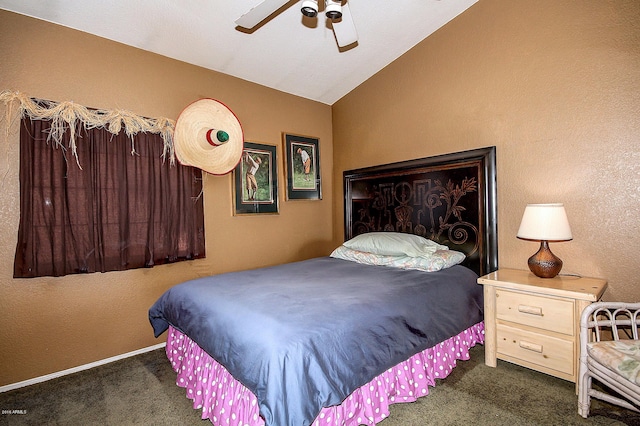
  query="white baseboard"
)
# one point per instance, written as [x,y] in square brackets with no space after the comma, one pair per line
[41,379]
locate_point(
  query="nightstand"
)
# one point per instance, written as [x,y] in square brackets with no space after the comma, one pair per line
[535,322]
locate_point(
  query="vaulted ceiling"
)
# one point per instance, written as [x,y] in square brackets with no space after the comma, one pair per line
[287,51]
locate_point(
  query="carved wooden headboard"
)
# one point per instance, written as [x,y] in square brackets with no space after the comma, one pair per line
[448,198]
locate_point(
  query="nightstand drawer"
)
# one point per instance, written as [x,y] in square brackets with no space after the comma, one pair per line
[535,311]
[543,350]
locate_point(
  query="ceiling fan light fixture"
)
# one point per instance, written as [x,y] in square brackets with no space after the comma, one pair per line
[310,8]
[333,9]
[337,11]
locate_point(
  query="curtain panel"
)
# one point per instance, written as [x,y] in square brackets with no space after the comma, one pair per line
[120,210]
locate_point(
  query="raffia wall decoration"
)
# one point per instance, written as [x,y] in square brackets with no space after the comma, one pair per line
[68,115]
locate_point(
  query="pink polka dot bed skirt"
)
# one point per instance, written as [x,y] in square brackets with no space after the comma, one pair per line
[225,401]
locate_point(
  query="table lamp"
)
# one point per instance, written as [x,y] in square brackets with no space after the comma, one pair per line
[544,223]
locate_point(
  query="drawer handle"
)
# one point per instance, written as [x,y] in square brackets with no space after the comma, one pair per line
[530,346]
[532,310]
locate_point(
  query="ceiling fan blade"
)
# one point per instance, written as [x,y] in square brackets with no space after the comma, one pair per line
[259,13]
[344,29]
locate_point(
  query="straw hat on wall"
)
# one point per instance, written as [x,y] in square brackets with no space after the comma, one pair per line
[208,136]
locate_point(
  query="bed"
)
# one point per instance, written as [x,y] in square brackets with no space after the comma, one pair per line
[335,340]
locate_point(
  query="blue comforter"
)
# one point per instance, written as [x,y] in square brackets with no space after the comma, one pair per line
[304,335]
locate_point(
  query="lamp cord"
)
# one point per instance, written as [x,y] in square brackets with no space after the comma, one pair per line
[571,275]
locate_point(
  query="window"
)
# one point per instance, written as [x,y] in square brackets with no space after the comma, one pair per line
[114,204]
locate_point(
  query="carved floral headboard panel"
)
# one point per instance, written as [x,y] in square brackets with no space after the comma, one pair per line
[448,198]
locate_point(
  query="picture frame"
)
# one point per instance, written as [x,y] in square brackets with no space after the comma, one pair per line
[302,167]
[256,191]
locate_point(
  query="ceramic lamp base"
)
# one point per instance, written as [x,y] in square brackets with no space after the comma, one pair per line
[545,264]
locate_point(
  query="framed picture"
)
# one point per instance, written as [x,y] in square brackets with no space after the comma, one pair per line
[302,165]
[256,180]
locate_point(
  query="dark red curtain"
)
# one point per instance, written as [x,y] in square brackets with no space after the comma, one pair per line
[120,211]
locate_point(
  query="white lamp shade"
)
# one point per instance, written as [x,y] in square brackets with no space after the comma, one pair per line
[545,222]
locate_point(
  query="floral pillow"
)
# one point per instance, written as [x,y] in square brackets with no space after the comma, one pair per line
[439,259]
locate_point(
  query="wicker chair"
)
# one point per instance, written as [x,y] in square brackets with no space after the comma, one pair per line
[610,354]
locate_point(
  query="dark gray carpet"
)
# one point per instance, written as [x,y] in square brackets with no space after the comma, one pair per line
[141,391]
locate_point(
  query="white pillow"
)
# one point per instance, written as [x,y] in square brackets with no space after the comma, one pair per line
[394,244]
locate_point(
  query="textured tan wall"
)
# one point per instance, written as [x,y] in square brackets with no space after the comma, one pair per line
[52,324]
[555,86]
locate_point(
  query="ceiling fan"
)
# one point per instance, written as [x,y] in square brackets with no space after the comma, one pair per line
[336,11]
